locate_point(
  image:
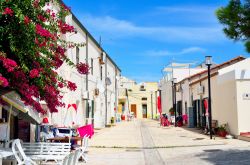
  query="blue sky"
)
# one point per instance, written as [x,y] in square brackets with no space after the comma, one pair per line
[143,36]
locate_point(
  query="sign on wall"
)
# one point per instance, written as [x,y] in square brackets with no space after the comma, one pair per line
[246,96]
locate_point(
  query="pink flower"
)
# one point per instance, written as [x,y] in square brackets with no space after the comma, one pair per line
[8,11]
[82,68]
[34,73]
[66,8]
[9,64]
[41,18]
[3,82]
[71,86]
[36,3]
[42,32]
[60,85]
[26,20]
[64,27]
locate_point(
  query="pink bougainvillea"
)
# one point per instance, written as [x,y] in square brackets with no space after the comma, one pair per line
[34,73]
[72,86]
[83,68]
[8,11]
[9,64]
[26,20]
[32,49]
[42,32]
[3,82]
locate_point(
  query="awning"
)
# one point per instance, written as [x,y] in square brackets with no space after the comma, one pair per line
[18,108]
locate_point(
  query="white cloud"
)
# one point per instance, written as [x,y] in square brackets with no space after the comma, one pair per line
[116,28]
[187,9]
[181,52]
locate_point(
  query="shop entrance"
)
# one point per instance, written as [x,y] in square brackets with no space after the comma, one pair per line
[133,109]
[144,111]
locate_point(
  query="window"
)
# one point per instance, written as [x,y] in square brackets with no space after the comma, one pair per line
[186,108]
[144,99]
[92,65]
[142,88]
[77,55]
[101,73]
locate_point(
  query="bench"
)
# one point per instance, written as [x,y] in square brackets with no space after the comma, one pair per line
[43,151]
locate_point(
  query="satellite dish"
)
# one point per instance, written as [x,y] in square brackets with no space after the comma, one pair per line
[107,81]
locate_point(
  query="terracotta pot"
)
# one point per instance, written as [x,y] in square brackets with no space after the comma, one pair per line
[222,133]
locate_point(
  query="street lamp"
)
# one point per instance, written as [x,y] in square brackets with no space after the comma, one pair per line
[174,81]
[209,63]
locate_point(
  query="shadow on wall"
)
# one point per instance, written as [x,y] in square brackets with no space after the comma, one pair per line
[226,157]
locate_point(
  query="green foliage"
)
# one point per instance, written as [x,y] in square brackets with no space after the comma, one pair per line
[236,20]
[222,127]
[171,110]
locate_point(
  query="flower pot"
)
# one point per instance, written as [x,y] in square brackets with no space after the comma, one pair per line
[222,133]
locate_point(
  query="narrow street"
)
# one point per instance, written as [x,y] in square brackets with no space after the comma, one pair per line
[141,142]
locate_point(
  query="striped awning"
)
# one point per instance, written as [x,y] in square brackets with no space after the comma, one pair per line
[20,110]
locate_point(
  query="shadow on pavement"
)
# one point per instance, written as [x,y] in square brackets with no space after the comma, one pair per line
[226,157]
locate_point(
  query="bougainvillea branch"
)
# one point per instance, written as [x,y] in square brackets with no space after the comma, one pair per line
[32,49]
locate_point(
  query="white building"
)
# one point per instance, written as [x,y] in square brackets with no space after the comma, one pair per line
[233,101]
[96,93]
[178,71]
[229,96]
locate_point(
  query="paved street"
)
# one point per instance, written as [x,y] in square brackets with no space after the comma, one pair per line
[145,142]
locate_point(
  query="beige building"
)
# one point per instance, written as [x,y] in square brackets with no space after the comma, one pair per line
[140,100]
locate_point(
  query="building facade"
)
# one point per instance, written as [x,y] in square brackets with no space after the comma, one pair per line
[138,99]
[225,98]
[96,94]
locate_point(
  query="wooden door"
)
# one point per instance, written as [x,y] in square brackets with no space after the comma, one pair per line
[133,109]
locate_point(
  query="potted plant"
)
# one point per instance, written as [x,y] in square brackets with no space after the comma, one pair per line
[222,132]
[171,111]
[112,120]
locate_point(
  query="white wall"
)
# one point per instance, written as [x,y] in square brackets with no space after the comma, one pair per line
[93,81]
[243,105]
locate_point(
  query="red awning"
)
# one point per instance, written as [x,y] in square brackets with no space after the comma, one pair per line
[72,105]
[205,102]
[159,104]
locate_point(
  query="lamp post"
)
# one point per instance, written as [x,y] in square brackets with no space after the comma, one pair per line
[209,63]
[174,81]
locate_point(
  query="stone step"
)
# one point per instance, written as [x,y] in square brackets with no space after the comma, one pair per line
[244,137]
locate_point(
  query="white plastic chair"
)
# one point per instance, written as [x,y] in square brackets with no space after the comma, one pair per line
[84,148]
[73,158]
[11,160]
[19,154]
[66,160]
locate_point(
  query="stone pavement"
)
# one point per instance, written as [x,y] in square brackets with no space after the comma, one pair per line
[142,142]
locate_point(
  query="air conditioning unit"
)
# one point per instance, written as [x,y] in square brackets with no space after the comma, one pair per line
[200,90]
[85,95]
[97,92]
[102,59]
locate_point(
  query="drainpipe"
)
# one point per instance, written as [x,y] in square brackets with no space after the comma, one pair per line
[152,105]
[106,93]
[87,79]
[116,93]
[156,103]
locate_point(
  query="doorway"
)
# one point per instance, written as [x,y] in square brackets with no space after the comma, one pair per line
[133,109]
[179,108]
[197,113]
[144,111]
